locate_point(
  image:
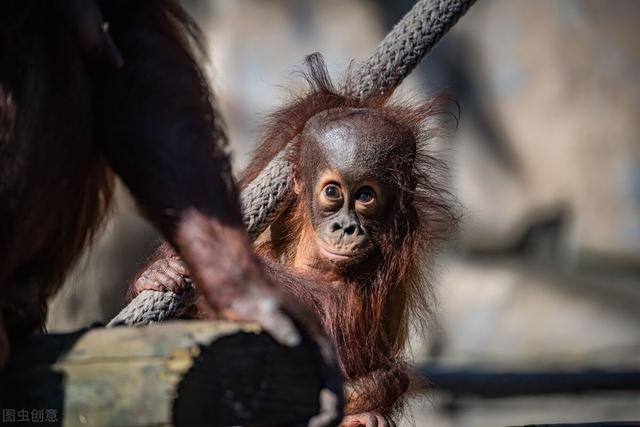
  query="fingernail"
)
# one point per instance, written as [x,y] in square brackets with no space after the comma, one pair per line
[291,339]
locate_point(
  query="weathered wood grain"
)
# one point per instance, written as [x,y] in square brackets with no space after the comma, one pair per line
[183,373]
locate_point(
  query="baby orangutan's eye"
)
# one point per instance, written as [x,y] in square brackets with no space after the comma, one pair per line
[332,192]
[365,195]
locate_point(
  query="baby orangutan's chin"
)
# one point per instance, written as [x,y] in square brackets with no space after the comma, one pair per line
[328,259]
[312,258]
[316,257]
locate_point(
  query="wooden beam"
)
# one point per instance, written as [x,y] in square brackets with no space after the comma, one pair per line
[182,373]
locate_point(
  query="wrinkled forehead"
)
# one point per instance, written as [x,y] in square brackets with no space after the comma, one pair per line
[358,142]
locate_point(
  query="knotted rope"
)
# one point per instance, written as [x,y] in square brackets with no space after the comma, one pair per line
[264,198]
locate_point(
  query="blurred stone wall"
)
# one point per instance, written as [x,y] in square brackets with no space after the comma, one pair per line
[95,291]
[545,271]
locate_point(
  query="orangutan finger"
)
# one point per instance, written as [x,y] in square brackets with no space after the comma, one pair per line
[280,327]
[154,280]
[265,310]
[172,281]
[176,282]
[178,266]
[366,419]
[382,421]
[370,420]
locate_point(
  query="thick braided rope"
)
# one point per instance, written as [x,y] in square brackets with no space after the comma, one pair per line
[407,43]
[264,199]
[148,307]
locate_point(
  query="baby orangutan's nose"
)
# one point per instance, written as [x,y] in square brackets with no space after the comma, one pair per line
[345,226]
[350,229]
[346,234]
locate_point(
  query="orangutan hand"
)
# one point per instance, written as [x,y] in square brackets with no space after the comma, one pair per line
[367,419]
[166,274]
[170,273]
[243,298]
[230,278]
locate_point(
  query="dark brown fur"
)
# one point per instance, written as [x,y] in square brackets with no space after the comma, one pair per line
[68,118]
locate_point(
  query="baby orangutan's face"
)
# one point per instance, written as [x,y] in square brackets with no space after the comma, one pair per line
[345,177]
[346,215]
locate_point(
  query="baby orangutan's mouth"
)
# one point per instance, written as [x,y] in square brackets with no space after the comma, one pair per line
[335,256]
[338,256]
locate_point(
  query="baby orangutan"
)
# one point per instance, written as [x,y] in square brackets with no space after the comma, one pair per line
[365,219]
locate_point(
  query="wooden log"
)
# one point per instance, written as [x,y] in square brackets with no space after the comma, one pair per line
[182,373]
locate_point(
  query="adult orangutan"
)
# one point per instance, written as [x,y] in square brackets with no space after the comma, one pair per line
[76,104]
[354,245]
